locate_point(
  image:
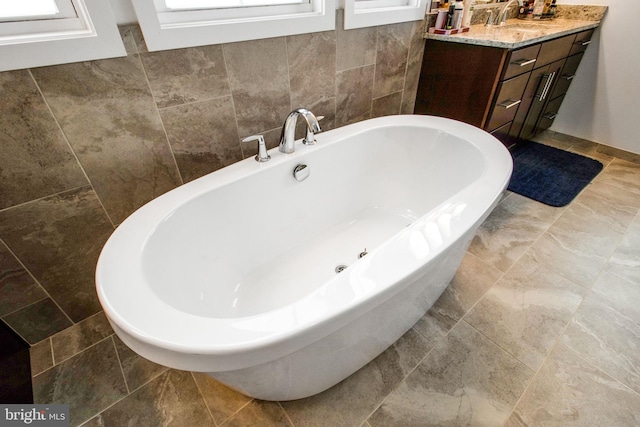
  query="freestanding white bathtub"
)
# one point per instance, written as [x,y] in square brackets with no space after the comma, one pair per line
[234,274]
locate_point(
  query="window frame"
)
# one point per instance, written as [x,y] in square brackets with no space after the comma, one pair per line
[382,12]
[92,34]
[167,30]
[66,9]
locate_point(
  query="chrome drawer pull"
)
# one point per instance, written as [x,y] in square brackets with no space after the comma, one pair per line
[509,103]
[566,77]
[524,62]
[585,43]
[547,86]
[550,116]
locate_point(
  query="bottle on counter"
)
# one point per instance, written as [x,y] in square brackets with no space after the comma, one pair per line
[522,12]
[467,13]
[552,9]
[452,9]
[457,14]
[538,9]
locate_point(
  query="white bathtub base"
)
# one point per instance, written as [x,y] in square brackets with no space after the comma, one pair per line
[325,363]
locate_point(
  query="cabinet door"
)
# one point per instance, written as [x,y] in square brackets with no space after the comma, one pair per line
[537,79]
[539,89]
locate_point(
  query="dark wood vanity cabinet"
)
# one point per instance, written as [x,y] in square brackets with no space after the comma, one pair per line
[514,94]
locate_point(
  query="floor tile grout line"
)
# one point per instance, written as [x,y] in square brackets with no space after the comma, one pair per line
[71,149]
[500,346]
[588,292]
[84,422]
[204,401]
[553,347]
[23,308]
[46,196]
[157,113]
[603,371]
[286,414]
[58,363]
[442,338]
[226,420]
[124,377]
[33,277]
[411,371]
[52,337]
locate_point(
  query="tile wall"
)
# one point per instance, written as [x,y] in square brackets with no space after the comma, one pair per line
[83,145]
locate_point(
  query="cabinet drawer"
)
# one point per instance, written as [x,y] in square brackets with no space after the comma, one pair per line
[553,50]
[566,76]
[550,113]
[521,61]
[507,101]
[581,42]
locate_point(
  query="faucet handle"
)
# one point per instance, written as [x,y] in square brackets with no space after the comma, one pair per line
[310,138]
[489,19]
[262,155]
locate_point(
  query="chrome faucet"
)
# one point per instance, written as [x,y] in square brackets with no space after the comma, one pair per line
[502,15]
[287,138]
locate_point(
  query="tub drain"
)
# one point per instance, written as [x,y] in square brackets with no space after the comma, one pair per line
[340,268]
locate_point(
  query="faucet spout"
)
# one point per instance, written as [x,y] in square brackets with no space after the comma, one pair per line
[502,15]
[287,137]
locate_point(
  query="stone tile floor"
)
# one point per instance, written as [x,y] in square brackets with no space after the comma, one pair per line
[540,326]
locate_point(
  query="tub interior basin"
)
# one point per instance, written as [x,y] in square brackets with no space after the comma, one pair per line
[266,240]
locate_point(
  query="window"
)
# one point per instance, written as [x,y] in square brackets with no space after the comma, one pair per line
[35,9]
[35,33]
[368,13]
[171,24]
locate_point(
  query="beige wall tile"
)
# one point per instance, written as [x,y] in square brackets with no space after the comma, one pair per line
[387,105]
[312,68]
[391,58]
[258,73]
[354,89]
[35,159]
[203,136]
[355,48]
[187,75]
[58,239]
[110,119]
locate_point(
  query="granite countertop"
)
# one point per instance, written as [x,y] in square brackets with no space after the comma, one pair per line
[520,33]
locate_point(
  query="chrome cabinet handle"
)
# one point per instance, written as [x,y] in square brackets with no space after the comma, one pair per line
[547,86]
[585,43]
[509,103]
[550,116]
[524,62]
[566,77]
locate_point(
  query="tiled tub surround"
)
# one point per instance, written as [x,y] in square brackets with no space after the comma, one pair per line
[83,145]
[540,326]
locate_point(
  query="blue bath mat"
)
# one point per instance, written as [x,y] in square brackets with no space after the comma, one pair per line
[549,175]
